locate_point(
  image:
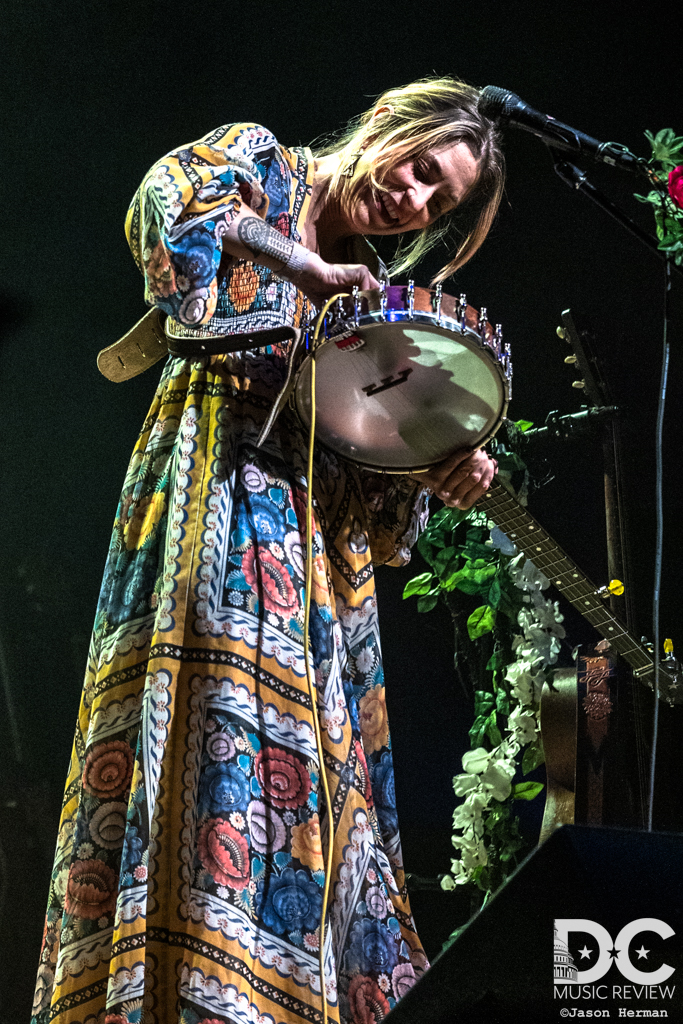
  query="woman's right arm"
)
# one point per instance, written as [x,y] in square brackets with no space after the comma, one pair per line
[249,237]
[205,201]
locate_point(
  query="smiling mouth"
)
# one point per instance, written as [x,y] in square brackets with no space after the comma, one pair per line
[387,208]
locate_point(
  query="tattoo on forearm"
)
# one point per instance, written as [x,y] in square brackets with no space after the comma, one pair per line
[263,240]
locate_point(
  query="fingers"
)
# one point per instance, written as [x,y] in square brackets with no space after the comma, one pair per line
[358,274]
[320,280]
[437,477]
[462,479]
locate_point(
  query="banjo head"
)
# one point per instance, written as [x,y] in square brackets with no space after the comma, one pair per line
[402,394]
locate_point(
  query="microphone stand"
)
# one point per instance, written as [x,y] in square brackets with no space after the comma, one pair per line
[578,180]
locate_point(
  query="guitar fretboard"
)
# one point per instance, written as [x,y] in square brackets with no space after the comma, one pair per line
[530,537]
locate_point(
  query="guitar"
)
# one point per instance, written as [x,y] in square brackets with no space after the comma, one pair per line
[536,543]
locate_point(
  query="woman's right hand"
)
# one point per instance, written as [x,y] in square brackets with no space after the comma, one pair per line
[319,280]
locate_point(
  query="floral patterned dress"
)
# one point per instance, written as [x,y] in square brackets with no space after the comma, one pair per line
[187,884]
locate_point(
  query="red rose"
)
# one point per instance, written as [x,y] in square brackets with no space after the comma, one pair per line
[369,1005]
[283,778]
[270,580]
[108,769]
[90,890]
[224,853]
[676,185]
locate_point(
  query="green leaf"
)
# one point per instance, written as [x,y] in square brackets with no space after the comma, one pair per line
[484,573]
[478,731]
[421,584]
[426,603]
[495,594]
[497,660]
[481,621]
[483,702]
[443,557]
[526,790]
[492,730]
[480,877]
[523,425]
[651,197]
[509,462]
[502,702]
[510,602]
[533,757]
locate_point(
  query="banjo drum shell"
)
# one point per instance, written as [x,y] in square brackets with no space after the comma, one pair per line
[405,387]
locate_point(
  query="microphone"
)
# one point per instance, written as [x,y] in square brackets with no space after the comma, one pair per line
[495,103]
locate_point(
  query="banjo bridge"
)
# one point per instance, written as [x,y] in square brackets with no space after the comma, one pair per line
[387,382]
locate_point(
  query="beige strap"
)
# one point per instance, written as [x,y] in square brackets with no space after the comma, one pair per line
[142,347]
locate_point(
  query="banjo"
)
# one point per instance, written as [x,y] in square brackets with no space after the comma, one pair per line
[404,377]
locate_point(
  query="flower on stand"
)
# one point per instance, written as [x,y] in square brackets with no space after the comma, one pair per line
[665,171]
[477,760]
[463,784]
[523,725]
[487,778]
[467,552]
[526,576]
[497,779]
[676,186]
[468,815]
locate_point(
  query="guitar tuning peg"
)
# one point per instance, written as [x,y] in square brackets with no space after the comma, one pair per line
[614,588]
[570,359]
[561,333]
[578,384]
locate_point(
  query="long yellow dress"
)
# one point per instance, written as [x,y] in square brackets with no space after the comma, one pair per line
[187,884]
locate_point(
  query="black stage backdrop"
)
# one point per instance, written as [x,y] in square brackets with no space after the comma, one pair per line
[93,94]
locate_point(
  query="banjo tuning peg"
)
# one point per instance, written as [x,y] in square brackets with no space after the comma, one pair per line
[481,323]
[462,311]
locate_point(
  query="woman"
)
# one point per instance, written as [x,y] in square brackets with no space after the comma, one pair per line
[188,881]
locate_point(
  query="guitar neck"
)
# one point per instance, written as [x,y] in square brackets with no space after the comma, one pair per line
[582,593]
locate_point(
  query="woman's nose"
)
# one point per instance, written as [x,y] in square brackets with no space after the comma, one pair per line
[418,195]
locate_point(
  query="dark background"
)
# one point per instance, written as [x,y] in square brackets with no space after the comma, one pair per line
[93,95]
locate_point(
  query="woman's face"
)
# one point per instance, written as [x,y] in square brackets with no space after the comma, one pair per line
[419,190]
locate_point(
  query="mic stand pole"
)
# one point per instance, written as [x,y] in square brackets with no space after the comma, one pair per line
[578,180]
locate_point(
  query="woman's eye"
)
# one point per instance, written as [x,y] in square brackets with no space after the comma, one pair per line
[420,170]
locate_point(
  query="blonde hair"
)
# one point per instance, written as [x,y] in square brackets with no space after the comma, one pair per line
[430,113]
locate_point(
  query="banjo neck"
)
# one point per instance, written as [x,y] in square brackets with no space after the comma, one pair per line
[537,544]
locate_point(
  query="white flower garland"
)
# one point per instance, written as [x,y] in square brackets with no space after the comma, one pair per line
[488,774]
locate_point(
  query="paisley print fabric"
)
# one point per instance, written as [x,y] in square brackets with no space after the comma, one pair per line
[188,879]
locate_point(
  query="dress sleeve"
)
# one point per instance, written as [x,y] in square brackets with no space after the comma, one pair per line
[178,216]
[398,510]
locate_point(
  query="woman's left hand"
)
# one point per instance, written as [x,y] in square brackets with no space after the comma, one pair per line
[462,478]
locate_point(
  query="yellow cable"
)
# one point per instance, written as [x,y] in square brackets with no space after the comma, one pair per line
[309,675]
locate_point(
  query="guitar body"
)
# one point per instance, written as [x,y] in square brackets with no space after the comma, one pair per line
[594,726]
